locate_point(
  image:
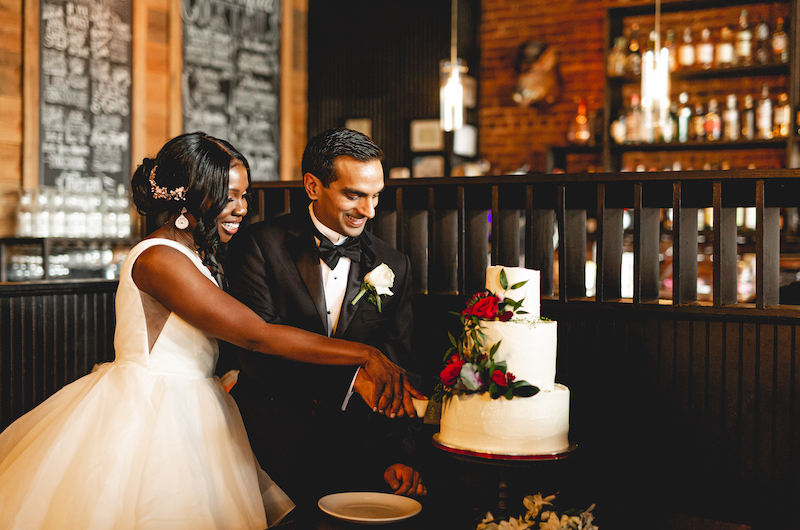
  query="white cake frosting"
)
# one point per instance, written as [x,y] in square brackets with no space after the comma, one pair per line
[522,426]
[528,293]
[533,425]
[529,349]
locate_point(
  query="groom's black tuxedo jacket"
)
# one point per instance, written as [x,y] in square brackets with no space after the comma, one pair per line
[292,410]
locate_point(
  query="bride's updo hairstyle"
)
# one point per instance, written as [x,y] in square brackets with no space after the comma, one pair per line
[200,164]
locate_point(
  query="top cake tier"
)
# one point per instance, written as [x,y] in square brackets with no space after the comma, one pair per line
[528,293]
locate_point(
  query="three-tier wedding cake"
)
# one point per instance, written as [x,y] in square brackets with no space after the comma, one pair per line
[489,382]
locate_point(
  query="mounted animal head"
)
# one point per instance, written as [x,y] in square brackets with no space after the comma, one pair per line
[539,82]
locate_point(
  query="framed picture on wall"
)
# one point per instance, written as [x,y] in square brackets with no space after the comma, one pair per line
[362,125]
[426,135]
[465,141]
[427,166]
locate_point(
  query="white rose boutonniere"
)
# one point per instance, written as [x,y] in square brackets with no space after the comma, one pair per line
[377,282]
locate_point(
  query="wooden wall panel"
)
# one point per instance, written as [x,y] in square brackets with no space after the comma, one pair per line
[48,338]
[10,111]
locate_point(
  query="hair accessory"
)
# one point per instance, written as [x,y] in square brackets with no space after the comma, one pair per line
[160,192]
[181,222]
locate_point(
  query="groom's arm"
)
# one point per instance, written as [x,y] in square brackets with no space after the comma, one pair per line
[396,343]
[392,335]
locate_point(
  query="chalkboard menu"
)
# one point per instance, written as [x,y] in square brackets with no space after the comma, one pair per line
[85,94]
[231,76]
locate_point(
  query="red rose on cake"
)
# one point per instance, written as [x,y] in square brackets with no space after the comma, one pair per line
[485,306]
[501,379]
[452,371]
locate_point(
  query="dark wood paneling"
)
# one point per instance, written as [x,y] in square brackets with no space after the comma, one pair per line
[51,335]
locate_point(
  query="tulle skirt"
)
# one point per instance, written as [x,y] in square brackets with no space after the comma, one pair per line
[124,448]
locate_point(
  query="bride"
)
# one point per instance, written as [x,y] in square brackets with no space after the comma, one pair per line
[152,440]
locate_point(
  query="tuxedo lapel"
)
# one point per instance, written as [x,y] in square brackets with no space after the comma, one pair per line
[354,279]
[305,258]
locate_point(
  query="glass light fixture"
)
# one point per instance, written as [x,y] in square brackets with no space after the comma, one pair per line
[655,86]
[451,86]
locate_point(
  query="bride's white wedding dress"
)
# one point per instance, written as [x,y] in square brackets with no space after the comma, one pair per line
[149,441]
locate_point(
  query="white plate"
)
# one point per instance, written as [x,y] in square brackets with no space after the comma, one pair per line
[369,507]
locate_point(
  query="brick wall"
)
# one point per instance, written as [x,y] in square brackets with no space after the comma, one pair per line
[512,136]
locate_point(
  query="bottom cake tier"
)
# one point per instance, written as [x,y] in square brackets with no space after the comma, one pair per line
[520,426]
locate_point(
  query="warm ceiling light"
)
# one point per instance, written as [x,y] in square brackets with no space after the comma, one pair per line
[451,86]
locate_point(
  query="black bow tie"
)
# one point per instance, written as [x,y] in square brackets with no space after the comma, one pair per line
[331,253]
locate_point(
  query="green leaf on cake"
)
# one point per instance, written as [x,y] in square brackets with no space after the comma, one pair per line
[500,365]
[503,279]
[517,285]
[522,388]
[452,339]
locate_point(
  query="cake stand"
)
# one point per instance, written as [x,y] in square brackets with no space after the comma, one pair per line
[509,466]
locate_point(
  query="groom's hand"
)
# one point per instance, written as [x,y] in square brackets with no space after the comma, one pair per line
[404,480]
[366,388]
[383,387]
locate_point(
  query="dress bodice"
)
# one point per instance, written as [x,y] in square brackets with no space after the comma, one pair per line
[180,350]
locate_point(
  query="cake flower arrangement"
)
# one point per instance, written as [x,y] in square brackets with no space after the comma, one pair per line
[541,515]
[469,365]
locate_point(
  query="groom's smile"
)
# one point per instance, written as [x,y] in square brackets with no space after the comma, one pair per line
[350,199]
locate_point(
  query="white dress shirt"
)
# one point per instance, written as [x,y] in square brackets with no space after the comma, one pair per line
[334,282]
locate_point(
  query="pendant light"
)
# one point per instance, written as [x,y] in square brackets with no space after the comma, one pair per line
[451,86]
[655,85]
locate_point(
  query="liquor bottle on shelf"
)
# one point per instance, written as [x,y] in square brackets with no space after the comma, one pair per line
[748,118]
[704,51]
[780,127]
[578,132]
[686,50]
[669,44]
[617,58]
[25,213]
[764,114]
[684,118]
[619,128]
[699,123]
[123,212]
[713,123]
[726,54]
[58,218]
[780,48]
[669,132]
[730,120]
[634,121]
[763,46]
[634,59]
[744,41]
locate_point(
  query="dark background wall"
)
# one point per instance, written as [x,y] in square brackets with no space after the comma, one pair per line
[380,60]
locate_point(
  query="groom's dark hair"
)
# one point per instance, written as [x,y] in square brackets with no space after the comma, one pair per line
[322,151]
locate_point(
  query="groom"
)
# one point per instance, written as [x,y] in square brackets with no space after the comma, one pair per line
[305,269]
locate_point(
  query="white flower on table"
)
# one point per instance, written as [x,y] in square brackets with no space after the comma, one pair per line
[535,503]
[377,283]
